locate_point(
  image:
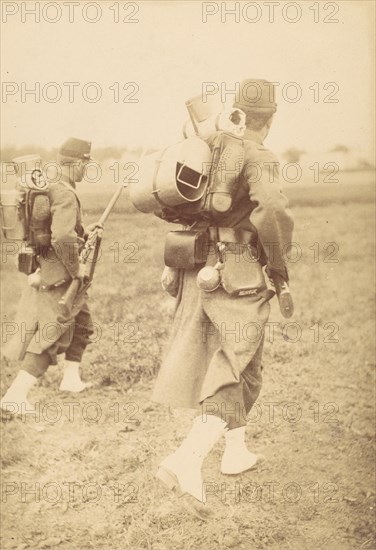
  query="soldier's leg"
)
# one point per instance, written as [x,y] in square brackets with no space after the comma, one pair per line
[232,403]
[237,458]
[228,404]
[15,400]
[83,329]
[182,469]
[252,380]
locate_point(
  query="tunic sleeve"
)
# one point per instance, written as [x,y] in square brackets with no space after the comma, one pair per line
[64,212]
[270,215]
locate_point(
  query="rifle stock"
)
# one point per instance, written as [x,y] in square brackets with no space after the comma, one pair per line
[67,301]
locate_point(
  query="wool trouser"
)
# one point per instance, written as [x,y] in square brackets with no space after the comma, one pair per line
[37,364]
[233,402]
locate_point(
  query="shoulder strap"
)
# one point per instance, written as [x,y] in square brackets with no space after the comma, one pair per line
[227,164]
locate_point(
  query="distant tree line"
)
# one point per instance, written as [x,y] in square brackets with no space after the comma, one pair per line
[292,154]
[99,153]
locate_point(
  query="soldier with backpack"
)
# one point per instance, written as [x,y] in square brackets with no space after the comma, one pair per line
[55,237]
[218,267]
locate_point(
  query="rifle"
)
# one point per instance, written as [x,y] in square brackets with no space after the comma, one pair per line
[78,287]
[276,285]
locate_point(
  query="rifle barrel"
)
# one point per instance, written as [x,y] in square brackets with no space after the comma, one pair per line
[110,205]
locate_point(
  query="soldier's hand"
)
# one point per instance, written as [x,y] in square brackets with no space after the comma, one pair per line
[92,226]
[277,284]
[276,277]
[34,279]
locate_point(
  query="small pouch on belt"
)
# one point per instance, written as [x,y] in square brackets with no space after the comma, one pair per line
[242,274]
[186,249]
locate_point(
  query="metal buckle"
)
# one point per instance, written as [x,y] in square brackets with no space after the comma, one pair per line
[185,182]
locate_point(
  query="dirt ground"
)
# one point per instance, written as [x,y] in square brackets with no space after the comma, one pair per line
[81,475]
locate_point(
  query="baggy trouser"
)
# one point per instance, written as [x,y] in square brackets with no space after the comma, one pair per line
[233,402]
[73,344]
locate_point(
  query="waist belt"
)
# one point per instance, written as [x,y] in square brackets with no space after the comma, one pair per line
[62,282]
[230,235]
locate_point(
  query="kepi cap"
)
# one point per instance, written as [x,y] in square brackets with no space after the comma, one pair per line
[75,148]
[256,95]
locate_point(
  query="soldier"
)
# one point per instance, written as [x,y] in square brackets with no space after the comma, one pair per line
[214,357]
[43,337]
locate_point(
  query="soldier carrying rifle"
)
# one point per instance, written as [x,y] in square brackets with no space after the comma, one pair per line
[45,334]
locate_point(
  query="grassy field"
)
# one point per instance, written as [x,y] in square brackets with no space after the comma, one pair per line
[82,475]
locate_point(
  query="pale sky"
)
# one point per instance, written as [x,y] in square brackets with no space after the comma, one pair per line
[170,53]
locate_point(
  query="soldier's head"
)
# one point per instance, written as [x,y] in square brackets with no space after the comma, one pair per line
[73,156]
[256,98]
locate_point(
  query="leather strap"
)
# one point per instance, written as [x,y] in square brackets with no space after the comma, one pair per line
[230,235]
